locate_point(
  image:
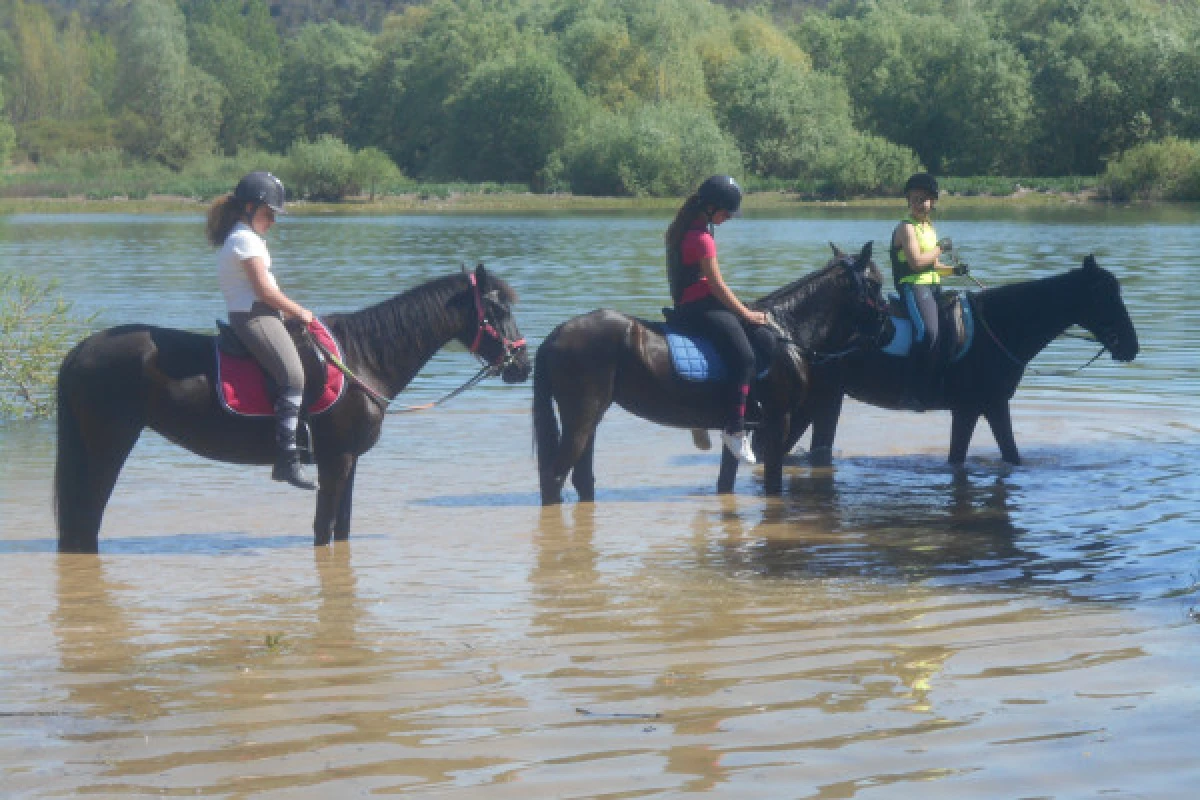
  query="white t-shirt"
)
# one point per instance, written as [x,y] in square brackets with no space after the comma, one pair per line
[241,243]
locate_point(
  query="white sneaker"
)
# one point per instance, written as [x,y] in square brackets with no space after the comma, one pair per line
[739,444]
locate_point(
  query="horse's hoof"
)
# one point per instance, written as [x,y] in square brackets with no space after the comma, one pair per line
[701,439]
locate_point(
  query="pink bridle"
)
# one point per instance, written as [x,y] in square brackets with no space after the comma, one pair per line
[486,327]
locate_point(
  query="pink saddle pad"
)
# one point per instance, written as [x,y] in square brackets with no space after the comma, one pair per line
[243,383]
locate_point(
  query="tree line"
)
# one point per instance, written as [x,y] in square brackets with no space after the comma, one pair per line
[620,97]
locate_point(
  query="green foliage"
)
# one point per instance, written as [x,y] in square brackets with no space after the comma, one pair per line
[786,119]
[327,169]
[37,327]
[509,117]
[235,42]
[171,108]
[1166,170]
[939,83]
[656,150]
[374,172]
[8,136]
[865,164]
[324,69]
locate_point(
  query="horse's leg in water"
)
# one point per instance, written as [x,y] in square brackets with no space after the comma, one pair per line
[333,475]
[1000,420]
[583,477]
[772,438]
[578,443]
[728,474]
[824,407]
[962,428]
[107,441]
[341,520]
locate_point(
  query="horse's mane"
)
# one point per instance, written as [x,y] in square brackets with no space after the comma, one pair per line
[410,317]
[786,300]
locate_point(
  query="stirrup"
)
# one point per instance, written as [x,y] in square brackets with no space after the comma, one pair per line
[739,444]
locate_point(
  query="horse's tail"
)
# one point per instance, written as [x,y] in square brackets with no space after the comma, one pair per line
[545,424]
[70,467]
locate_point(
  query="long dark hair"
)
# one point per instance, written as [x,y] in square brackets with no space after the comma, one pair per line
[691,208]
[222,216]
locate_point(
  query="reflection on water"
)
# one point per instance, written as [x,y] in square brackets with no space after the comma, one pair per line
[888,626]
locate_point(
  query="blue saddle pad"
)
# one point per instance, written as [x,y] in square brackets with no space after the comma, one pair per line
[694,358]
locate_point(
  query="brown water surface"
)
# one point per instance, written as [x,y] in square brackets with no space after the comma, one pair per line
[888,628]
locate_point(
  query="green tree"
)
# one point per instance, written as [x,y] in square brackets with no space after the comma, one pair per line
[8,137]
[324,70]
[236,42]
[427,54]
[786,119]
[656,150]
[171,108]
[510,115]
[932,77]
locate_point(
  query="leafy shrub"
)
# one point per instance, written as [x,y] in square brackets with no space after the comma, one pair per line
[36,329]
[322,169]
[1164,170]
[866,164]
[509,117]
[657,150]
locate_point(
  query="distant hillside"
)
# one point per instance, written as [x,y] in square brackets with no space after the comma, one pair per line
[369,14]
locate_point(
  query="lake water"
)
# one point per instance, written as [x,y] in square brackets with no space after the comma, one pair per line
[888,627]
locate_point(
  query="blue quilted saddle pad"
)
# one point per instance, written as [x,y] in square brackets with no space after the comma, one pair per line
[694,358]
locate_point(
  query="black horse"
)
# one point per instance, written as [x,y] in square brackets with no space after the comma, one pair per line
[591,361]
[119,381]
[1012,325]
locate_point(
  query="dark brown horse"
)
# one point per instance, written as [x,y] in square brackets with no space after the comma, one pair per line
[1012,325]
[117,382]
[592,361]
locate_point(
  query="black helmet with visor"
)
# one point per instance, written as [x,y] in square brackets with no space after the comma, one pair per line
[722,193]
[924,182]
[261,189]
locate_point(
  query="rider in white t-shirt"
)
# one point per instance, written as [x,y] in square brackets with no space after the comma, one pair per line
[237,223]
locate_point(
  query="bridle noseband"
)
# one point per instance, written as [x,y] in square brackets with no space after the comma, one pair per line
[508,347]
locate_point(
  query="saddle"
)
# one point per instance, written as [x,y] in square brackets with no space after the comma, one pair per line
[245,389]
[956,325]
[696,360]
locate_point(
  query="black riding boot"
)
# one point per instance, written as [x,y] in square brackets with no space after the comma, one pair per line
[287,460]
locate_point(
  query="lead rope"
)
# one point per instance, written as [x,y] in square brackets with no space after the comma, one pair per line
[384,403]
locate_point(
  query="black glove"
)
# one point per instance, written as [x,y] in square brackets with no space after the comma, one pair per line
[961,269]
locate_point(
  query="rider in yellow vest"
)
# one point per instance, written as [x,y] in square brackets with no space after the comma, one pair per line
[917,273]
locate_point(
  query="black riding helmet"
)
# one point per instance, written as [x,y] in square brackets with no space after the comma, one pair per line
[262,189]
[722,192]
[922,180]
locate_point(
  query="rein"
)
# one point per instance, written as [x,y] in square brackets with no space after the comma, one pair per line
[485,326]
[1062,373]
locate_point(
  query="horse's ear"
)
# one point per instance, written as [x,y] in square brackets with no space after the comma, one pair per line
[864,256]
[837,251]
[1090,262]
[481,275]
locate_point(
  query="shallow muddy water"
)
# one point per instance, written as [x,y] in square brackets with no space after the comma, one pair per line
[887,628]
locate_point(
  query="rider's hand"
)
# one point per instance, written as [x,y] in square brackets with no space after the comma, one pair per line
[305,316]
[756,317]
[961,268]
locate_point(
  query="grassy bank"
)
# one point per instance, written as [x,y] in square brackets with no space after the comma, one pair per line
[471,202]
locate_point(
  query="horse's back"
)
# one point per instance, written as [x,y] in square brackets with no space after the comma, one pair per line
[126,353]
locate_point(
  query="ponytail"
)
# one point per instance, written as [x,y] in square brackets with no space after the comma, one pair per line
[222,216]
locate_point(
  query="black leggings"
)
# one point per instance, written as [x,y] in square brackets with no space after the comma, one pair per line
[731,339]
